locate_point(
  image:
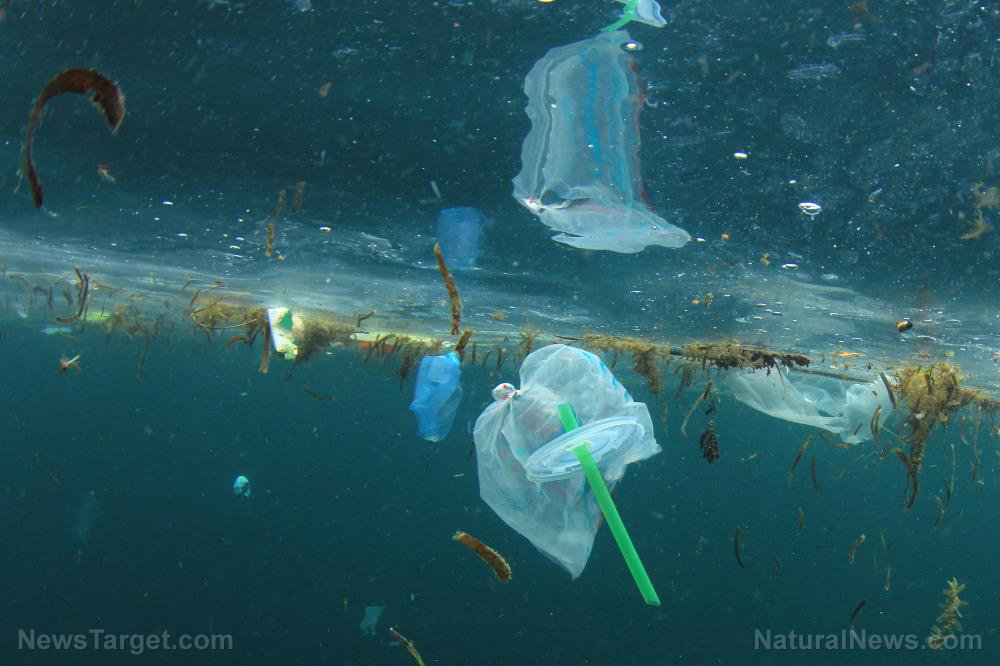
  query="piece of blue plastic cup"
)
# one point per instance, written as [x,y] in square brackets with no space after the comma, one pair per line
[459,233]
[436,395]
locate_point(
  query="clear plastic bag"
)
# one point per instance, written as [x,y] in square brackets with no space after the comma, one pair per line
[560,516]
[580,161]
[843,408]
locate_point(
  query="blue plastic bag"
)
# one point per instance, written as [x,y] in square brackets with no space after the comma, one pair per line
[436,396]
[459,231]
[580,161]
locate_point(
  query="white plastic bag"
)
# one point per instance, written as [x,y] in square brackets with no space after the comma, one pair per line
[559,517]
[843,408]
[580,161]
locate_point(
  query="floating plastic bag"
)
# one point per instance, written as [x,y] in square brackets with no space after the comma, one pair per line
[845,409]
[436,395]
[553,506]
[459,231]
[369,623]
[580,161]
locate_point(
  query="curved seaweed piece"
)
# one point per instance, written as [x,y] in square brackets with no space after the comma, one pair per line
[107,97]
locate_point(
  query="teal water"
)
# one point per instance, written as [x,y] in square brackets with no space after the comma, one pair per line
[350,507]
[889,127]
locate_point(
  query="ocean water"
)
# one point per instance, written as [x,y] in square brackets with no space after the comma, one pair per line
[118,510]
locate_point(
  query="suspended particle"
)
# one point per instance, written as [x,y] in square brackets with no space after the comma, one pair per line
[810,208]
[631,46]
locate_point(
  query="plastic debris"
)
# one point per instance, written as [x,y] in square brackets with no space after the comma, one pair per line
[580,161]
[551,506]
[459,233]
[837,407]
[241,486]
[369,623]
[437,395]
[282,323]
[646,11]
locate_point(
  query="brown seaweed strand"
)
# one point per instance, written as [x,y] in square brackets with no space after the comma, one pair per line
[318,396]
[812,467]
[300,190]
[408,644]
[487,554]
[854,548]
[449,283]
[275,214]
[736,547]
[949,487]
[798,458]
[704,396]
[911,471]
[107,97]
[265,354]
[857,609]
[875,425]
[464,340]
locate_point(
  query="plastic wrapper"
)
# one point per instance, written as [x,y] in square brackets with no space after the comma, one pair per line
[580,161]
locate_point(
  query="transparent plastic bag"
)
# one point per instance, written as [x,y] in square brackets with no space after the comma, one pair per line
[560,516]
[580,161]
[843,408]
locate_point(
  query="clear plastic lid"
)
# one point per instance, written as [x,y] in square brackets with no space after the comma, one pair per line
[609,441]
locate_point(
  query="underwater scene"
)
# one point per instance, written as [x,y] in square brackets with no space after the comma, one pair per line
[500,332]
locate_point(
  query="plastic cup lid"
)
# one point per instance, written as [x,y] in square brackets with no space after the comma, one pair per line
[609,439]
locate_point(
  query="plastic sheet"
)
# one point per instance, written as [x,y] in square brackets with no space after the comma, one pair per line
[369,623]
[842,408]
[436,395]
[459,233]
[580,161]
[556,511]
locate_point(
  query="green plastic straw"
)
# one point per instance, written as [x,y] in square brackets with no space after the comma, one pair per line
[627,16]
[615,524]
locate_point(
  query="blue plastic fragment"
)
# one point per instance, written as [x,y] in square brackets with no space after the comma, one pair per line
[436,396]
[459,232]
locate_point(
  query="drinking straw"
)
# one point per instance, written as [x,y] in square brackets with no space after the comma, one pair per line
[615,524]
